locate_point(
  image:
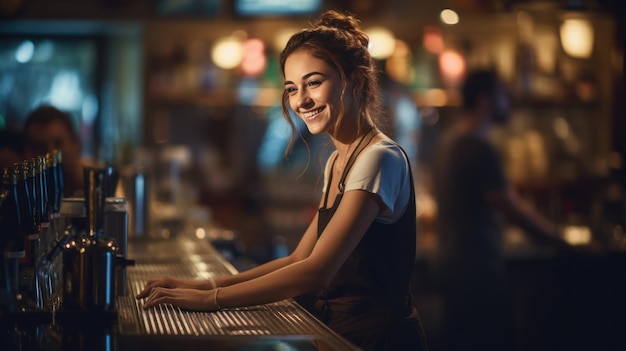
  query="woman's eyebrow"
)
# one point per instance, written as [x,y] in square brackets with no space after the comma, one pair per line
[305,76]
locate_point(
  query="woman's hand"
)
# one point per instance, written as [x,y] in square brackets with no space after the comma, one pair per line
[189,299]
[172,283]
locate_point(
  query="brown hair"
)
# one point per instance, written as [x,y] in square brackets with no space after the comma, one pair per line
[337,39]
[46,114]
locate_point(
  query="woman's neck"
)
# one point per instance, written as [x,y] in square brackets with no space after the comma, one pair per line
[345,145]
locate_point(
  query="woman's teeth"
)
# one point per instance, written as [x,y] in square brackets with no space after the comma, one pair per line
[311,113]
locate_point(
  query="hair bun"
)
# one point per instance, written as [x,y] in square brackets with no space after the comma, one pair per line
[337,20]
[347,23]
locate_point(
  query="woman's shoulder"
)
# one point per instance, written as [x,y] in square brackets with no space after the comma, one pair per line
[383,169]
[385,158]
[385,150]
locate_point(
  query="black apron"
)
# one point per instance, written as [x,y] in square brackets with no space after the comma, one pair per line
[369,301]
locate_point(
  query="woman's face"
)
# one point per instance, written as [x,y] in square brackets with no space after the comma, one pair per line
[314,91]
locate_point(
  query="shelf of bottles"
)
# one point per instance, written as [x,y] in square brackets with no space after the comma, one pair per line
[30,201]
[59,270]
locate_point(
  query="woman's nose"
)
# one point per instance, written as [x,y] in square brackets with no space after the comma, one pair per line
[304,102]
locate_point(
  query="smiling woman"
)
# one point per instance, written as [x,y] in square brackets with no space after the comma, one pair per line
[312,88]
[358,252]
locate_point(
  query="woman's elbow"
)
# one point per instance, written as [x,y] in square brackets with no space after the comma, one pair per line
[318,278]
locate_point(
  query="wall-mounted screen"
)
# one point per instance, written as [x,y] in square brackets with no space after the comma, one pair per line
[188,7]
[276,7]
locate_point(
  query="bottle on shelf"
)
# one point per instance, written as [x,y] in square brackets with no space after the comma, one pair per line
[57,166]
[11,239]
[30,228]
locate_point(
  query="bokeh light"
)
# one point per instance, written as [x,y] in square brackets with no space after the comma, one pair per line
[227,52]
[577,37]
[452,67]
[433,40]
[254,59]
[25,51]
[382,42]
[448,16]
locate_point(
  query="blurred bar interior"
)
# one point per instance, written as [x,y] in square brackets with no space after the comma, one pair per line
[186,95]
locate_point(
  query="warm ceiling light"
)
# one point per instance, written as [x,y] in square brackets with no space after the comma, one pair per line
[448,16]
[577,37]
[382,42]
[227,52]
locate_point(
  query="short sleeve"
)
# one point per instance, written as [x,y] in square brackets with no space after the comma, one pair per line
[383,170]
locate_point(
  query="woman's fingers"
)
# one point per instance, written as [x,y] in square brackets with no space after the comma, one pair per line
[153,296]
[191,299]
[151,284]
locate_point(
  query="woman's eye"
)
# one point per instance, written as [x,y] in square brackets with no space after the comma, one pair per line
[314,83]
[290,90]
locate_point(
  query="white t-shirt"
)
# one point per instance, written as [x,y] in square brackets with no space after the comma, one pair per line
[380,169]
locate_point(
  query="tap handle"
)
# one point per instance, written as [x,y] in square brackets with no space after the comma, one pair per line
[68,234]
[94,200]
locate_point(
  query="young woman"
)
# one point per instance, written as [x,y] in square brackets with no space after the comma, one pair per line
[359,250]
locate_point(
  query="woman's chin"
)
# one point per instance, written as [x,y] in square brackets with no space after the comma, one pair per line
[315,130]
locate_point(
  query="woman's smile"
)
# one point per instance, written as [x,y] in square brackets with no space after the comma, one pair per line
[309,115]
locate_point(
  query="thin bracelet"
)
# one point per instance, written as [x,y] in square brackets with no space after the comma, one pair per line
[217,304]
[212,281]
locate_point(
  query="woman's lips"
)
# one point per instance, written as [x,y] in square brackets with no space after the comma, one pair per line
[312,114]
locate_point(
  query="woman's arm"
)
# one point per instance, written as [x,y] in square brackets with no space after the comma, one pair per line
[354,215]
[304,248]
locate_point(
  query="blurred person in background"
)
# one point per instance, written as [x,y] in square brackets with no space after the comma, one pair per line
[11,148]
[358,252]
[48,128]
[473,195]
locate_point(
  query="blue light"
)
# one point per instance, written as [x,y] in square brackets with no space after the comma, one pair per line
[25,51]
[276,7]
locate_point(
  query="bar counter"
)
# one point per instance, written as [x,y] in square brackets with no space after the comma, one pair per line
[283,325]
[280,325]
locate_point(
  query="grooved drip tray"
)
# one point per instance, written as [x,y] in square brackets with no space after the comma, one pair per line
[283,325]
